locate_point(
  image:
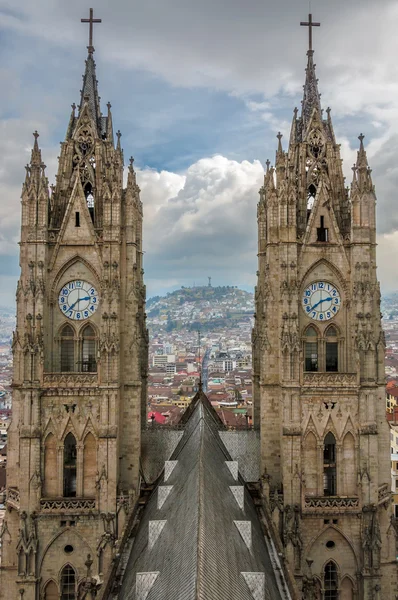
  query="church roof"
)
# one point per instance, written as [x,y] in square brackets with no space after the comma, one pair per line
[200,537]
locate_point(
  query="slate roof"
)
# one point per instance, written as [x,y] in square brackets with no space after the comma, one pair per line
[200,544]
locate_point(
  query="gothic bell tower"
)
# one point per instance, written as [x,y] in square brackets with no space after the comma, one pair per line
[319,364]
[80,349]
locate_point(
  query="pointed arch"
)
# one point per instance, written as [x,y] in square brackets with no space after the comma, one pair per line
[89,465]
[331,580]
[70,465]
[51,591]
[88,349]
[69,263]
[349,466]
[67,343]
[347,588]
[68,581]
[50,466]
[310,459]
[311,272]
[311,348]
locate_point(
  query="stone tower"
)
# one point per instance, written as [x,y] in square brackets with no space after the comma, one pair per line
[319,365]
[80,350]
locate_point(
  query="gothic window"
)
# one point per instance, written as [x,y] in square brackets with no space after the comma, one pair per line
[50,467]
[68,583]
[329,465]
[89,363]
[89,466]
[331,582]
[70,456]
[51,591]
[332,347]
[67,349]
[311,350]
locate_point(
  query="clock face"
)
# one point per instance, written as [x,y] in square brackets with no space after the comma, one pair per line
[321,301]
[78,300]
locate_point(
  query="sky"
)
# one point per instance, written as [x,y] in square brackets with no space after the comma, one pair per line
[199,91]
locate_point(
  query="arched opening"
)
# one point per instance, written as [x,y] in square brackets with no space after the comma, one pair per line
[329,465]
[89,466]
[311,349]
[310,465]
[50,467]
[70,456]
[89,194]
[346,589]
[89,363]
[331,581]
[68,583]
[311,193]
[332,350]
[51,591]
[67,349]
[348,467]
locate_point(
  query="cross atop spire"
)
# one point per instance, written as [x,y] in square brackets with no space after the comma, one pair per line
[91,21]
[310,24]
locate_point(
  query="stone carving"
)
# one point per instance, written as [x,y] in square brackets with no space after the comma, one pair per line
[67,504]
[371,541]
[331,503]
[27,545]
[292,533]
[13,497]
[75,380]
[330,379]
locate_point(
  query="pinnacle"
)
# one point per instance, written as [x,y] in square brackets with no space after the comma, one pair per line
[311,97]
[36,160]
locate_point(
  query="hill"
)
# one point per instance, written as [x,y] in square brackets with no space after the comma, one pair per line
[205,307]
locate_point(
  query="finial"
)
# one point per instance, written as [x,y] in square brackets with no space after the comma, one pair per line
[131,162]
[295,111]
[35,135]
[109,106]
[279,136]
[361,137]
[91,21]
[268,162]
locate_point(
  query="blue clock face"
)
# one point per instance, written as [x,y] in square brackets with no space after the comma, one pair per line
[321,301]
[78,300]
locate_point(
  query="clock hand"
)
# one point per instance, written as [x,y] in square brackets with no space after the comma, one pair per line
[79,300]
[320,301]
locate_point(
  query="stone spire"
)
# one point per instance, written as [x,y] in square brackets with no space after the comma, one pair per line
[35,171]
[311,98]
[89,92]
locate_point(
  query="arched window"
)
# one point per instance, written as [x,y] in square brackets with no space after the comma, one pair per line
[51,591]
[89,363]
[70,455]
[311,350]
[67,349]
[329,465]
[50,467]
[331,582]
[89,466]
[332,347]
[68,583]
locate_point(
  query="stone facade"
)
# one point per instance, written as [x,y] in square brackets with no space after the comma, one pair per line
[319,375]
[79,383]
